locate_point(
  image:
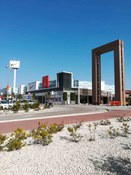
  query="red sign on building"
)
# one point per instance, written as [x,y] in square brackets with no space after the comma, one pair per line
[45,82]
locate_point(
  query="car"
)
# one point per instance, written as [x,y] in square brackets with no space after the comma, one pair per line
[5,104]
[31,102]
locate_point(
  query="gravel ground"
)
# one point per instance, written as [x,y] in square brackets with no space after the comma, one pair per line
[104,156]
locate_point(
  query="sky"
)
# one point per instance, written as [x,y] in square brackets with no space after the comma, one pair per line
[50,36]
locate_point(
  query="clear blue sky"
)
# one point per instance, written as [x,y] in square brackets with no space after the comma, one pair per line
[49,36]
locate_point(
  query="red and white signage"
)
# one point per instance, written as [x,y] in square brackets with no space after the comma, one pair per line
[45,82]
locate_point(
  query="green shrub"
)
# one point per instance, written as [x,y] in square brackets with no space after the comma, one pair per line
[113,132]
[1,108]
[46,107]
[41,135]
[26,107]
[73,96]
[15,108]
[123,119]
[64,96]
[125,129]
[54,128]
[105,122]
[76,137]
[19,134]
[92,130]
[15,144]
[35,106]
[2,140]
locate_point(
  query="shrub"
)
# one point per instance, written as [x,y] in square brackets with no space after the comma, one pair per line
[123,119]
[15,108]
[64,96]
[15,144]
[2,140]
[113,132]
[41,135]
[54,128]
[19,134]
[35,106]
[16,140]
[1,108]
[76,137]
[92,129]
[73,96]
[105,122]
[125,129]
[78,125]
[46,106]
[26,107]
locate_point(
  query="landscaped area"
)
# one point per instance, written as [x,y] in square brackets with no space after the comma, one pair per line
[95,148]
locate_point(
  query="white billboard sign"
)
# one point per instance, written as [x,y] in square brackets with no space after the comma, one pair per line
[14,64]
[33,86]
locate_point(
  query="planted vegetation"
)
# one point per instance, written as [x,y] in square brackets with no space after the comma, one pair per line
[92,130]
[76,137]
[43,134]
[105,122]
[2,140]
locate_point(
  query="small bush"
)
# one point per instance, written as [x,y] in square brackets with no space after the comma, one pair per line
[1,108]
[92,129]
[123,119]
[54,128]
[46,107]
[73,96]
[2,140]
[105,122]
[15,144]
[16,140]
[125,129]
[78,125]
[19,134]
[35,106]
[15,108]
[113,132]
[41,135]
[26,107]
[64,96]
[76,137]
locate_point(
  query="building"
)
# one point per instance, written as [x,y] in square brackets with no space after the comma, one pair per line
[65,83]
[22,89]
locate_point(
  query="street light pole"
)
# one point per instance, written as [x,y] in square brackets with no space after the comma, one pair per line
[78,95]
[8,81]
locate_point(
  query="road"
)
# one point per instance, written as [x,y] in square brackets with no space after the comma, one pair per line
[67,114]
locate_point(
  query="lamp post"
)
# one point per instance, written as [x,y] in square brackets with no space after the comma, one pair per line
[8,80]
[78,95]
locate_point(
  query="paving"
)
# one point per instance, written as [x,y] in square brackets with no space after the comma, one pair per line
[62,113]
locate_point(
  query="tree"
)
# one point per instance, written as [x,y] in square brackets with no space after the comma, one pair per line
[48,96]
[33,96]
[19,96]
[65,96]
[73,97]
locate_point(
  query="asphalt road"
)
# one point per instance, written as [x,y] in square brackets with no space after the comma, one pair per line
[54,111]
[65,113]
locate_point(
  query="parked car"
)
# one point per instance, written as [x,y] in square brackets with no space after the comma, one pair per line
[5,104]
[31,102]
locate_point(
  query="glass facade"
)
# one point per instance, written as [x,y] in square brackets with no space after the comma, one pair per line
[64,80]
